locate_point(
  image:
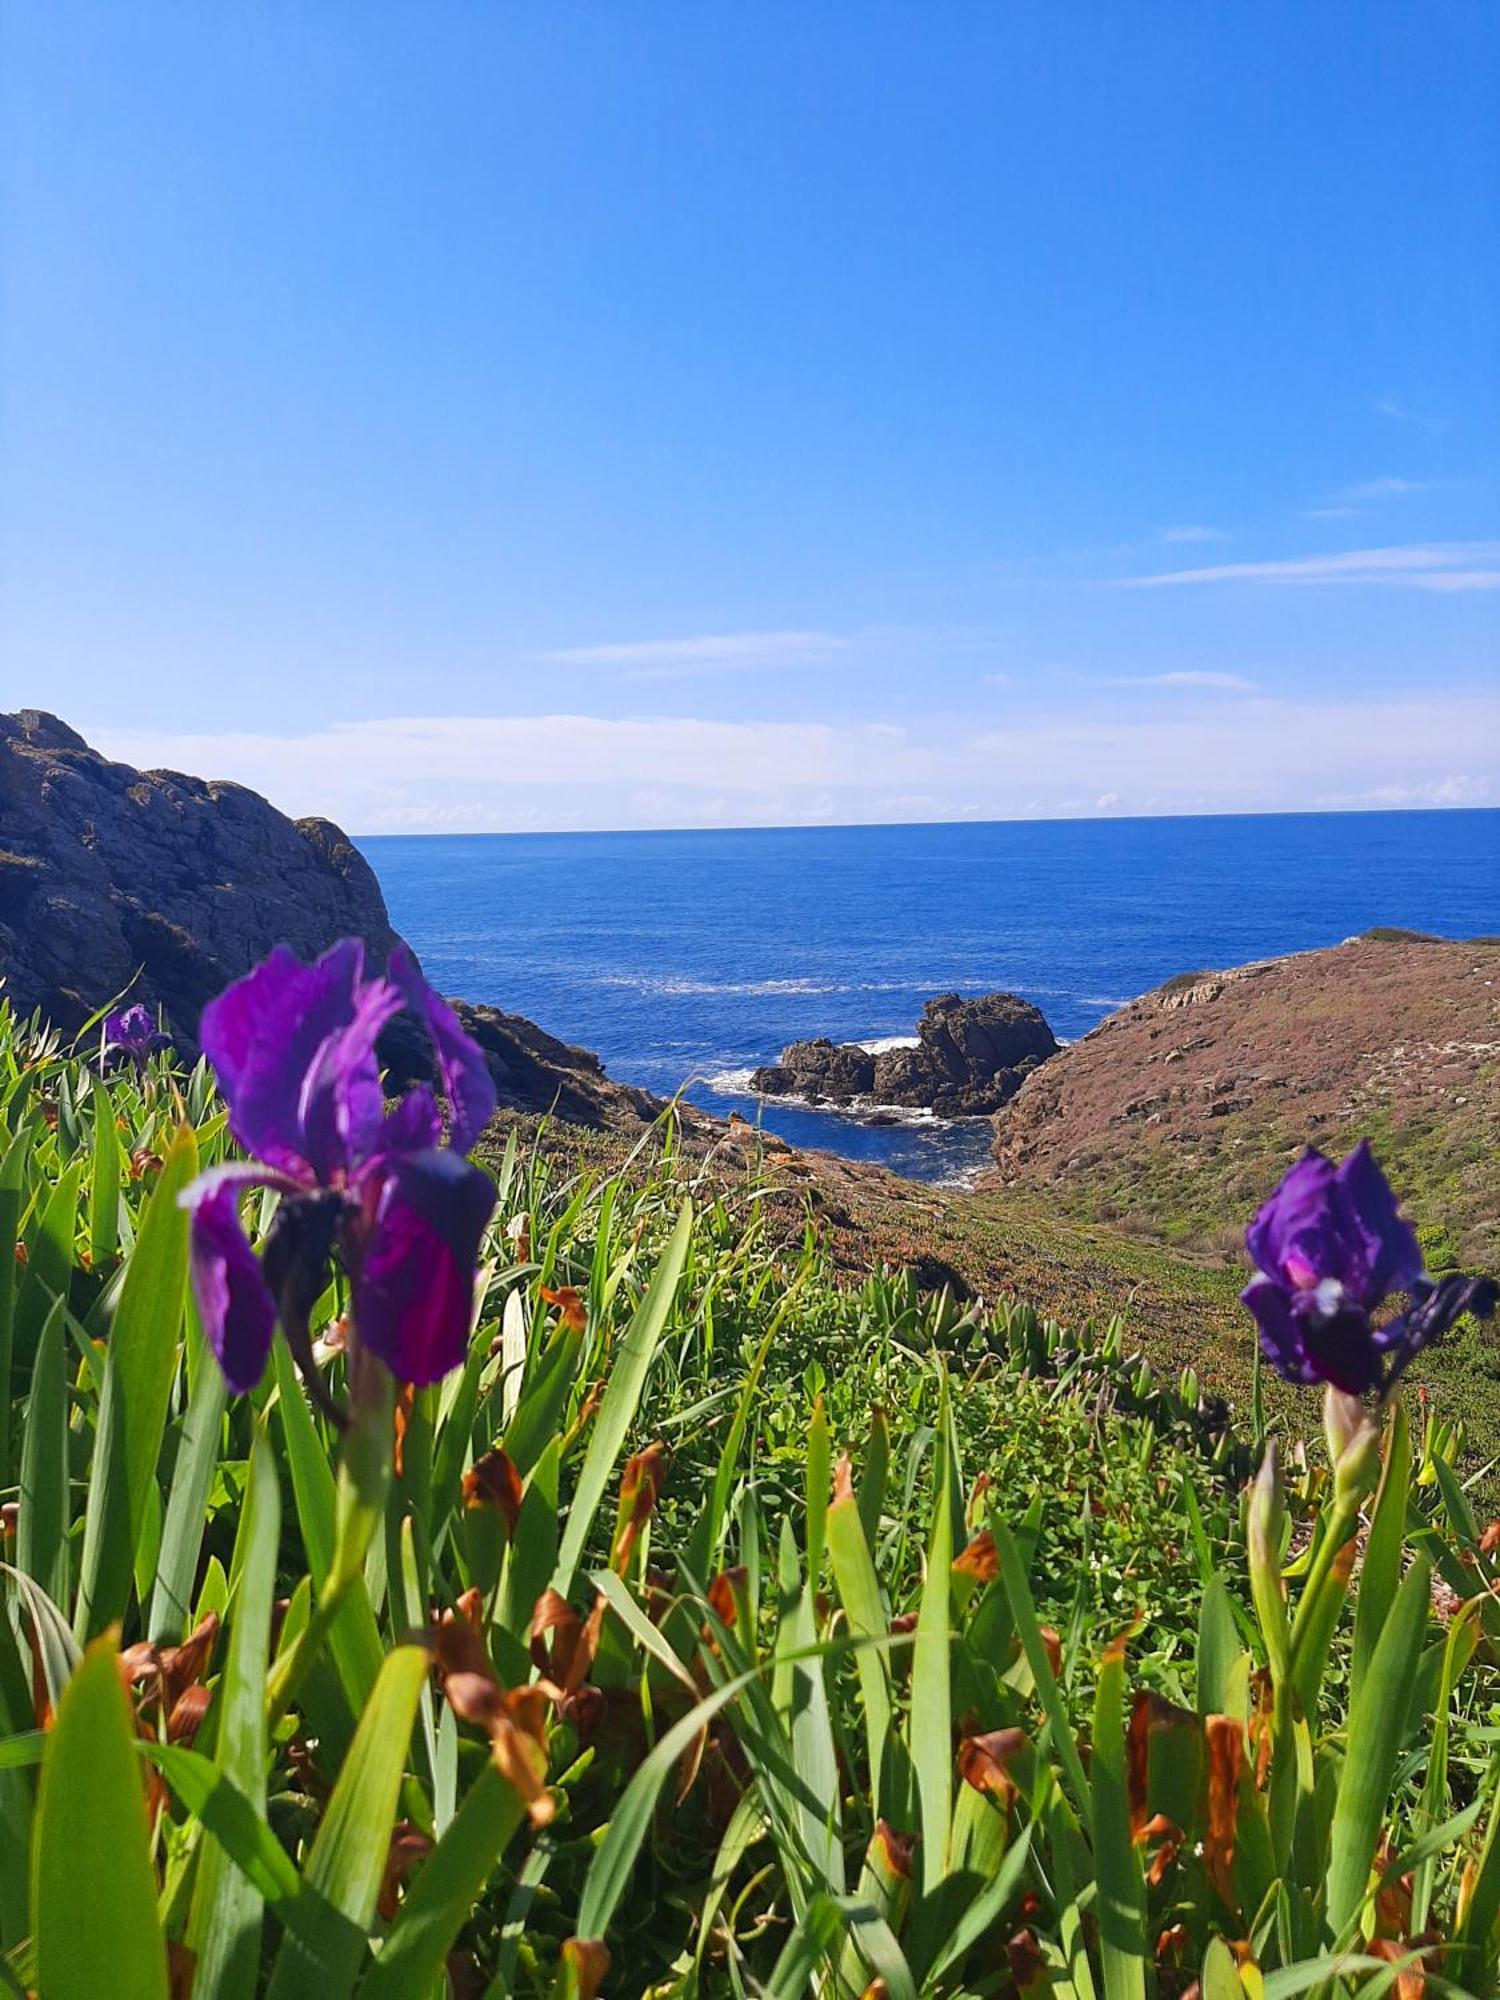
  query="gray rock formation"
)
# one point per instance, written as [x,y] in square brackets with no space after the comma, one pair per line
[821,1071]
[169,885]
[969,1058]
[113,878]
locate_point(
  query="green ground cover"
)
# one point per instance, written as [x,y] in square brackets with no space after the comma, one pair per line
[729,1624]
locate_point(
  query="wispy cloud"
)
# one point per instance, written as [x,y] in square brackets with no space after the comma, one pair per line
[1437,566]
[517,773]
[1402,413]
[709,653]
[1191,677]
[1352,500]
[1191,532]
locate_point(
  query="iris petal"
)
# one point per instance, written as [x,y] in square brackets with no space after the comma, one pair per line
[264,1033]
[1389,1251]
[1280,1335]
[414,1285]
[467,1083]
[341,1104]
[234,1304]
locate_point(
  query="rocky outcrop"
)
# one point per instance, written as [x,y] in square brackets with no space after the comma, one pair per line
[821,1071]
[171,886]
[1187,1105]
[970,1056]
[533,1071]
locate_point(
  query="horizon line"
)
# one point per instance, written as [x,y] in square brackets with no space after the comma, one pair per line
[879,825]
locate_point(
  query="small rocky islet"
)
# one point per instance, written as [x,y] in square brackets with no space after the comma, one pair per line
[969,1058]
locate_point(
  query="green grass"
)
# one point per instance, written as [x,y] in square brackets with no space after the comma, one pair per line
[878,1597]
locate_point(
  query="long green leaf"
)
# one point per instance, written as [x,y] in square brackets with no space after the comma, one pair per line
[93,1889]
[104,1183]
[931,1684]
[323,1951]
[859,1593]
[192,1479]
[1023,1610]
[225,1919]
[144,1343]
[1380,1568]
[441,1899]
[41,1530]
[627,1380]
[1376,1719]
[1122,1891]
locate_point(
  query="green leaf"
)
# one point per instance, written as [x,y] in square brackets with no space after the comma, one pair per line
[324,1949]
[1377,1717]
[1220,1978]
[864,1609]
[144,1343]
[41,1529]
[931,1686]
[241,1836]
[10,1223]
[1023,1610]
[192,1480]
[615,1857]
[104,1182]
[1380,1566]
[441,1899]
[92,1885]
[225,1919]
[1123,1949]
[627,1380]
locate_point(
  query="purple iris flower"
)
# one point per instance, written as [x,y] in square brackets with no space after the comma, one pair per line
[1330,1247]
[294,1049]
[131,1032]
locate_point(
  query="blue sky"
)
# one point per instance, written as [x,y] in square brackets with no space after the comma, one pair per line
[483,416]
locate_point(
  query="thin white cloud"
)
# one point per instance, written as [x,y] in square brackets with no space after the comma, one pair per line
[1439,566]
[1190,532]
[707,653]
[1402,413]
[1191,677]
[520,773]
[1389,487]
[1364,493]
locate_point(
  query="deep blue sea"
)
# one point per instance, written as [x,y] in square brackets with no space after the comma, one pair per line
[691,957]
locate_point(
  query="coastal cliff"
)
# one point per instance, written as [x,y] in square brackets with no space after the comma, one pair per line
[1183,1108]
[169,886]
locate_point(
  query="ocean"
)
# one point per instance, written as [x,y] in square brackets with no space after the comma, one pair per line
[688,958]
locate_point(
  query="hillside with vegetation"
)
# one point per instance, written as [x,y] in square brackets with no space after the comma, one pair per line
[721,1624]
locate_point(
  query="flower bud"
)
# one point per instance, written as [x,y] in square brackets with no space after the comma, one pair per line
[1264,1527]
[1353,1447]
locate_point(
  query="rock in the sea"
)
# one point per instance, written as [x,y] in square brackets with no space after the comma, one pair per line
[822,1071]
[969,1058]
[110,875]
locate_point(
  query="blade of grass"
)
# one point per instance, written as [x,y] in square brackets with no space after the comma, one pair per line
[225,1919]
[1122,1893]
[144,1344]
[41,1529]
[192,1479]
[622,1396]
[1376,1718]
[335,1906]
[91,1834]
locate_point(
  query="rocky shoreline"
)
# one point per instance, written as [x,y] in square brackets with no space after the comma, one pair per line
[1177,1111]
